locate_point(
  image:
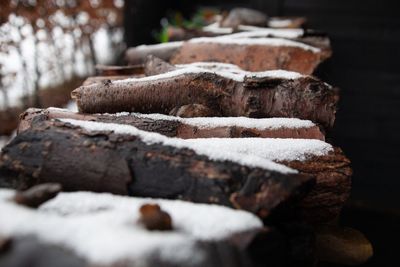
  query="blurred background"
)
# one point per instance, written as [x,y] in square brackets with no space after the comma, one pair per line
[47,47]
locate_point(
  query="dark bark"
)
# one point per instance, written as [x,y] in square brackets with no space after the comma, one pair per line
[332,189]
[168,127]
[304,98]
[332,172]
[106,162]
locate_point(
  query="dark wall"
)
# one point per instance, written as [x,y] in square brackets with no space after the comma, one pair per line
[365,38]
[365,65]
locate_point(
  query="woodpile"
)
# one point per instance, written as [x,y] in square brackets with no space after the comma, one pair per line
[207,163]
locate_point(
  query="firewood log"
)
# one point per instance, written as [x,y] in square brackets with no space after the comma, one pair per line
[186,128]
[257,50]
[224,89]
[125,160]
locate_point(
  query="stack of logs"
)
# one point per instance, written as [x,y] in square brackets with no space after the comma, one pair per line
[235,120]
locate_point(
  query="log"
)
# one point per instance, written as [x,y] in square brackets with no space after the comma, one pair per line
[313,157]
[225,89]
[255,49]
[251,56]
[122,163]
[185,128]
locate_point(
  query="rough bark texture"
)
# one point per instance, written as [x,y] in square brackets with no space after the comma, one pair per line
[332,189]
[167,127]
[247,56]
[106,162]
[304,98]
[322,204]
[251,57]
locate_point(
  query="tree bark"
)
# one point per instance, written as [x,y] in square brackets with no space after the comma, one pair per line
[304,98]
[322,204]
[171,128]
[250,57]
[122,164]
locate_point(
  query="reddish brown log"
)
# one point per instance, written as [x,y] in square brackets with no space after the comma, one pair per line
[304,98]
[168,127]
[248,56]
[251,57]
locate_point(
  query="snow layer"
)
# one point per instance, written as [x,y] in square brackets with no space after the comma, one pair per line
[275,149]
[225,70]
[208,122]
[103,228]
[201,149]
[176,44]
[228,39]
[254,31]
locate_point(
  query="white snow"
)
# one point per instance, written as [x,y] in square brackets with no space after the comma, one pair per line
[72,106]
[228,71]
[279,23]
[208,122]
[4,141]
[276,149]
[253,31]
[201,149]
[227,39]
[161,45]
[103,228]
[216,28]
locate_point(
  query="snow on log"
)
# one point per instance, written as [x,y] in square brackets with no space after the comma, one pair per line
[105,157]
[172,126]
[224,89]
[311,157]
[257,49]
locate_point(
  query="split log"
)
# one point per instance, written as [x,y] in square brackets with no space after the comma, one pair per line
[185,128]
[258,50]
[322,204]
[250,56]
[103,161]
[230,92]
